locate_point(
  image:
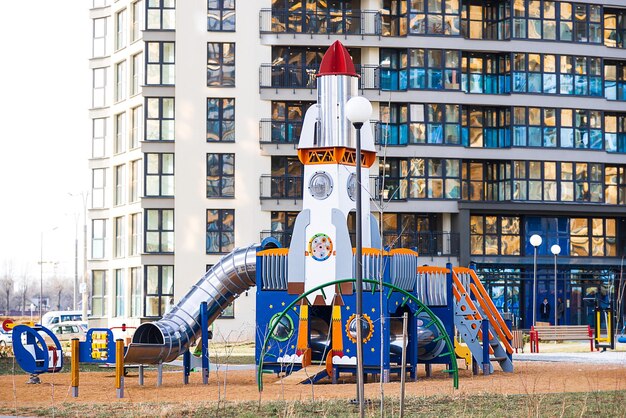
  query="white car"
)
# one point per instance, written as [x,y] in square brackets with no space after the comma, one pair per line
[6,339]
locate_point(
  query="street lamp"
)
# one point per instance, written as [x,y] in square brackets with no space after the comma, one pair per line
[535,241]
[83,286]
[41,263]
[556,250]
[358,111]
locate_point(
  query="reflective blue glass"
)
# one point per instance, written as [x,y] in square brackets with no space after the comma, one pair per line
[595,86]
[435,133]
[403,79]
[534,136]
[621,142]
[549,137]
[491,137]
[475,83]
[452,134]
[610,142]
[519,136]
[567,84]
[417,78]
[567,138]
[388,80]
[580,83]
[534,83]
[435,80]
[596,139]
[403,134]
[549,83]
[610,90]
[519,82]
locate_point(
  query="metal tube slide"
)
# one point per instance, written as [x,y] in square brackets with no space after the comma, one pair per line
[166,339]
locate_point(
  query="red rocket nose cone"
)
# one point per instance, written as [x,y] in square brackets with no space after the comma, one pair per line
[337,61]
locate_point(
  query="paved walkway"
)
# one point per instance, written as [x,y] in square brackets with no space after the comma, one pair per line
[597,357]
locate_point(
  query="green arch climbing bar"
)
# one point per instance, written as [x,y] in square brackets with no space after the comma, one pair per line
[422,308]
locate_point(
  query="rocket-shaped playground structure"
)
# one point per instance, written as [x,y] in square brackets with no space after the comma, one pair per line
[305,294]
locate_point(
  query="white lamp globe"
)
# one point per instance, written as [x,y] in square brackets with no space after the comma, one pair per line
[535,240]
[358,109]
[555,249]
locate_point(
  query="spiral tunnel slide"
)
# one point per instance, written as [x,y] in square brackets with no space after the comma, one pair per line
[164,340]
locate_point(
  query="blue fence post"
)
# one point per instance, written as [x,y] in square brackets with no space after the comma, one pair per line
[186,367]
[204,323]
[486,361]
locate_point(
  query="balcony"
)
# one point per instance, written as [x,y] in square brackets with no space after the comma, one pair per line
[427,244]
[288,132]
[290,187]
[285,76]
[327,22]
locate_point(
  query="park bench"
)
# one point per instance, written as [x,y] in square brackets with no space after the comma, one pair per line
[559,333]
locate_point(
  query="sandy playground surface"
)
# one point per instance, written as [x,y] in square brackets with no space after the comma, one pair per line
[530,377]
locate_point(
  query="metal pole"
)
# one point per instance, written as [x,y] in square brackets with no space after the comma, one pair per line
[359,276]
[74,367]
[41,278]
[119,368]
[405,319]
[76,267]
[535,288]
[85,302]
[556,306]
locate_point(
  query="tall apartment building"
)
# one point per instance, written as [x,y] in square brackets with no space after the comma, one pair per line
[495,121]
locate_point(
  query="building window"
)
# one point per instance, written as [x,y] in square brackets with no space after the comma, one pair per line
[486,73]
[220,64]
[286,122]
[134,181]
[120,29]
[408,230]
[286,178]
[159,231]
[98,238]
[435,17]
[136,127]
[220,236]
[228,312]
[595,237]
[98,293]
[420,178]
[221,15]
[220,120]
[98,188]
[161,14]
[120,81]
[433,69]
[120,293]
[100,3]
[282,227]
[159,290]
[615,132]
[495,235]
[137,73]
[136,294]
[118,231]
[135,234]
[614,28]
[120,133]
[220,178]
[119,180]
[159,175]
[99,97]
[137,20]
[160,64]
[99,130]
[159,119]
[99,37]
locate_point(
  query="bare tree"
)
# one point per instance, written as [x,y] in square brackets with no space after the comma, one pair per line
[22,289]
[6,285]
[58,288]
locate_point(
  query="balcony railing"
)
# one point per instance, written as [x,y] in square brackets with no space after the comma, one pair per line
[290,187]
[327,22]
[427,244]
[281,187]
[304,77]
[282,132]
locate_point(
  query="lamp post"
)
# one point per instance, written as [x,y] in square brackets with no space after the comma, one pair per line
[535,241]
[83,286]
[358,111]
[556,250]
[41,263]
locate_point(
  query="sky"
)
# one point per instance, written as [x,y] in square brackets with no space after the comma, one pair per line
[44,133]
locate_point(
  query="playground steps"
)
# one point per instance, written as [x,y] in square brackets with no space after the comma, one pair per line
[308,374]
[473,304]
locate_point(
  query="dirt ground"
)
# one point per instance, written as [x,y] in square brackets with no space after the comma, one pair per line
[98,387]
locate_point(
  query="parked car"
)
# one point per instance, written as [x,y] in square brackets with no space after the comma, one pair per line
[56,317]
[66,331]
[6,339]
